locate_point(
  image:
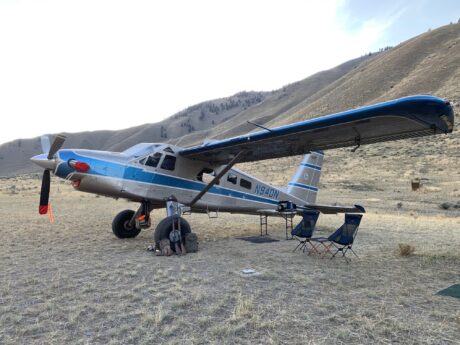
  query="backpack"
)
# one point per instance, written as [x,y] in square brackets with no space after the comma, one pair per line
[191,242]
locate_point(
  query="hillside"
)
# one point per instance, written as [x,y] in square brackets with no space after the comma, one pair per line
[428,63]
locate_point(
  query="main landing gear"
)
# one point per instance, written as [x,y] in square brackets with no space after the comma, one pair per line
[128,224]
[122,226]
[164,228]
[171,222]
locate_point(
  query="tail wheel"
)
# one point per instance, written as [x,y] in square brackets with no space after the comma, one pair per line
[166,225]
[120,225]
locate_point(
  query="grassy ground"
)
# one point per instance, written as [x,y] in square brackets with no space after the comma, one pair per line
[73,282]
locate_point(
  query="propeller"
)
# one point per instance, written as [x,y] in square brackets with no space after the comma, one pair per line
[46,145]
[45,193]
[57,144]
[50,150]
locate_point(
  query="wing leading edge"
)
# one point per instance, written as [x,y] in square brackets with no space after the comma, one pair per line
[402,118]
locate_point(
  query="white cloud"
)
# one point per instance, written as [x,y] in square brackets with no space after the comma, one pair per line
[87,65]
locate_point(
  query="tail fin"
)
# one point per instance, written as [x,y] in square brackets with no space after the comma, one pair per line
[304,184]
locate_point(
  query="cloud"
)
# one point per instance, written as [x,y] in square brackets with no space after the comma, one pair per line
[370,22]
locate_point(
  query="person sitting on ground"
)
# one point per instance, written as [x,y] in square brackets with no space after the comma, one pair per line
[165,248]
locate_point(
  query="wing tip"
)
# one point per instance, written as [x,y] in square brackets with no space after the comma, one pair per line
[361,208]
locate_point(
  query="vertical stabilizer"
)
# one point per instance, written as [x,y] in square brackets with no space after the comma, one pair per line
[304,184]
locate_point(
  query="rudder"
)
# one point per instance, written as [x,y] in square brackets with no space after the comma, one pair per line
[304,184]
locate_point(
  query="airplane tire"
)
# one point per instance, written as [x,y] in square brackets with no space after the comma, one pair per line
[120,225]
[164,227]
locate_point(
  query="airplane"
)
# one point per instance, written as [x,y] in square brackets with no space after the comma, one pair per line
[202,179]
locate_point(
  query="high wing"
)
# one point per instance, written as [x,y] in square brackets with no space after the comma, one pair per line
[407,117]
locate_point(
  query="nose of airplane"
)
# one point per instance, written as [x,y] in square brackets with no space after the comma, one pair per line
[44,162]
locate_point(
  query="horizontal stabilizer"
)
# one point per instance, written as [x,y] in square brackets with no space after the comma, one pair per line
[326,209]
[330,209]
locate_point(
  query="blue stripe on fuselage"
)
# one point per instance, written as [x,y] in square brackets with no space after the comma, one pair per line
[128,172]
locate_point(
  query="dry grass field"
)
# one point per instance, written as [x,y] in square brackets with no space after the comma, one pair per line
[74,282]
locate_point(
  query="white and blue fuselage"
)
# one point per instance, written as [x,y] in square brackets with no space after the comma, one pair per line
[128,175]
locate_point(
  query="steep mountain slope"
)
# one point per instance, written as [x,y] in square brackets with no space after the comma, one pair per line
[429,63]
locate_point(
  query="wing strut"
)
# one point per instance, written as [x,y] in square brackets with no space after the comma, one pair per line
[218,177]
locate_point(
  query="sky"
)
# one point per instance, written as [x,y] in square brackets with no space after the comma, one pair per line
[70,66]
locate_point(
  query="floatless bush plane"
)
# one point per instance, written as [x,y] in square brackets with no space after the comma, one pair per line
[202,178]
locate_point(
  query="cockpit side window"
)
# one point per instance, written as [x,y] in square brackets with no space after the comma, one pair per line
[169,163]
[245,183]
[152,161]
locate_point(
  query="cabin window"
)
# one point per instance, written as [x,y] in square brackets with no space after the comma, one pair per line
[152,161]
[169,163]
[168,149]
[245,184]
[232,178]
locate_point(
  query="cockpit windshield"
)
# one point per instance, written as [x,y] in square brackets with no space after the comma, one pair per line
[160,159]
[140,149]
[152,161]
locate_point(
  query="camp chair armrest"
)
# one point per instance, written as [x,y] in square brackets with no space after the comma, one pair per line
[300,238]
[320,239]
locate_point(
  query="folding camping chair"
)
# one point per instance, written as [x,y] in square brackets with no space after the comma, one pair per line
[304,230]
[342,239]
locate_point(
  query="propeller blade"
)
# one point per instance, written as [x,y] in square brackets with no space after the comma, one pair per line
[46,145]
[57,144]
[44,193]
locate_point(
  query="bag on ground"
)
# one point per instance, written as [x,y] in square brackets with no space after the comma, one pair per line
[191,242]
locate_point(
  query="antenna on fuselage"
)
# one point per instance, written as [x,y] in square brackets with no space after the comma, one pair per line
[178,141]
[260,126]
